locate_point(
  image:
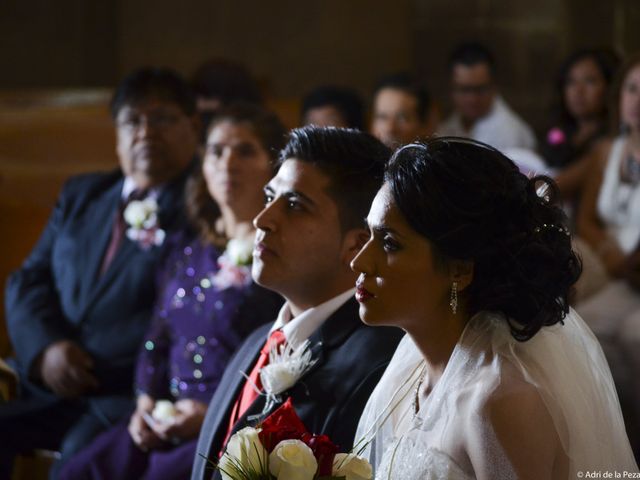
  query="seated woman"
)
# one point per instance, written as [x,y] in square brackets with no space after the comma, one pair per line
[610,223]
[206,306]
[333,106]
[582,88]
[497,378]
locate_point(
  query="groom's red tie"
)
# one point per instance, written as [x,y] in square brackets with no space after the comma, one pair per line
[248,393]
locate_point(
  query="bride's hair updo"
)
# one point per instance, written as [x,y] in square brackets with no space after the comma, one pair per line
[472,203]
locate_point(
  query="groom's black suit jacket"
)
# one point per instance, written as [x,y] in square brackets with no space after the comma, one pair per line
[329,398]
[59,292]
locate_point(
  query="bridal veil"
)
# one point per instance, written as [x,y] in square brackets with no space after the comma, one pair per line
[563,365]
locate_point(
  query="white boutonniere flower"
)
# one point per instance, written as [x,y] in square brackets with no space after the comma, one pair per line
[240,251]
[142,218]
[235,264]
[287,364]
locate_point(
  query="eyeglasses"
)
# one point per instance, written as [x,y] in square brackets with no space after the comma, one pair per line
[158,121]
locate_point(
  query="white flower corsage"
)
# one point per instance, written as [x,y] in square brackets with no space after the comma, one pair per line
[287,364]
[240,251]
[142,218]
[235,265]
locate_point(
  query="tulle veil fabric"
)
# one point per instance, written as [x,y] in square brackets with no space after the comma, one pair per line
[565,365]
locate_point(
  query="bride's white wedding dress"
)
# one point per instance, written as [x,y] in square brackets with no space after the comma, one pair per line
[557,386]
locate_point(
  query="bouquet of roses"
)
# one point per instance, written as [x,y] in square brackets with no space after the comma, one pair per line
[281,448]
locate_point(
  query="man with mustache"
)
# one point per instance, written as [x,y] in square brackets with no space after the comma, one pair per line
[80,304]
[308,233]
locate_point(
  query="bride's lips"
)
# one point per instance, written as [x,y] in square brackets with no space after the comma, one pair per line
[362,294]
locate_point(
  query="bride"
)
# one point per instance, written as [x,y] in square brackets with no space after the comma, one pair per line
[498,378]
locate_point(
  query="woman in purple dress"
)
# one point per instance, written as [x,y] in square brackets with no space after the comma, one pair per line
[207,305]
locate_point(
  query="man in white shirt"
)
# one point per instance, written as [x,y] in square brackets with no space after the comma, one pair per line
[402,111]
[479,112]
[308,233]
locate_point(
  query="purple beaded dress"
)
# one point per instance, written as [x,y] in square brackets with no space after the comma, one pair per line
[203,313]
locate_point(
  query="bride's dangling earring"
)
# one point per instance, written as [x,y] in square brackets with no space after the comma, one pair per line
[454,298]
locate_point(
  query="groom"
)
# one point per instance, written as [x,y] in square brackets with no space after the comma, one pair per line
[307,234]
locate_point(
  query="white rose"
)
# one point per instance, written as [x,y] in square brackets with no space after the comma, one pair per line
[244,450]
[292,460]
[150,210]
[141,213]
[278,377]
[240,251]
[150,205]
[135,214]
[352,467]
[164,411]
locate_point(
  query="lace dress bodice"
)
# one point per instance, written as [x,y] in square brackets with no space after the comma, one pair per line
[410,457]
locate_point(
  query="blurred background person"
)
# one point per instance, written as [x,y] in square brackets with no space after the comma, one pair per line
[207,305]
[609,221]
[332,106]
[220,82]
[80,304]
[582,117]
[479,112]
[401,110]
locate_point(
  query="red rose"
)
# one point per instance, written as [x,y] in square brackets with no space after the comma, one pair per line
[323,449]
[282,424]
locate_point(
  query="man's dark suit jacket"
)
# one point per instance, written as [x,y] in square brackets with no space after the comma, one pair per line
[329,398]
[59,293]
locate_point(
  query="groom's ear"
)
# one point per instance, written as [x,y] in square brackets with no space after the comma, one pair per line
[352,243]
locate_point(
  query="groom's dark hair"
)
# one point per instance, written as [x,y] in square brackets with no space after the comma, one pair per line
[353,160]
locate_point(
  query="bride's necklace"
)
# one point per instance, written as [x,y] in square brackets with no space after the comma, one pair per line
[416,396]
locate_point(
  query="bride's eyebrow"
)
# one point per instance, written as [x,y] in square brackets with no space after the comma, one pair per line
[381,229]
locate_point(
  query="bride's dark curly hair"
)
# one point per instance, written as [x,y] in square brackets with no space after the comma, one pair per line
[472,203]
